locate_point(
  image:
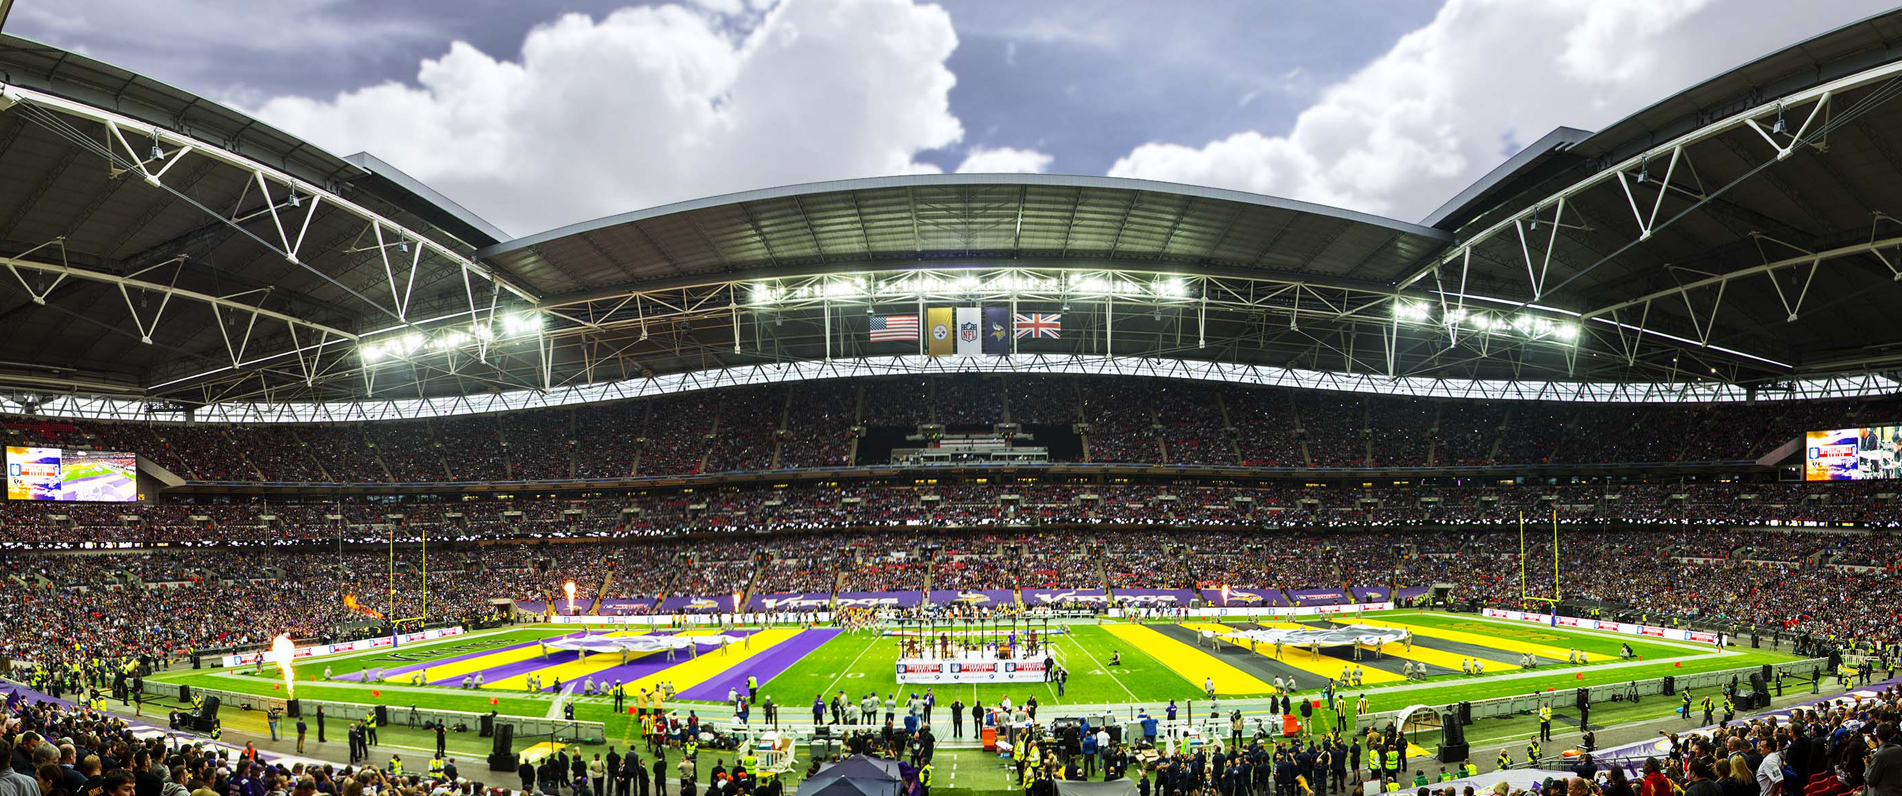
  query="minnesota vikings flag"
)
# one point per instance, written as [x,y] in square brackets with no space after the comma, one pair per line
[996,331]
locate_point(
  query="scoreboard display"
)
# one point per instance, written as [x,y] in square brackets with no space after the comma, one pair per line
[63,474]
[1853,454]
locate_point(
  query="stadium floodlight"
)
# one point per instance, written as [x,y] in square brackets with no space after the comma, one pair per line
[520,323]
[1413,311]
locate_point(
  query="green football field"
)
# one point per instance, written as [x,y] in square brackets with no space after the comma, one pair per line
[863,662]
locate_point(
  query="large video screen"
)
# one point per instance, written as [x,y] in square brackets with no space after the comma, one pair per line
[1853,454]
[62,474]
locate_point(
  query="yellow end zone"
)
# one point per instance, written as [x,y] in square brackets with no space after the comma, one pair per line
[1189,663]
[1298,657]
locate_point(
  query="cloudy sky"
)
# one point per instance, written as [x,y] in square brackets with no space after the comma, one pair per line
[538,114]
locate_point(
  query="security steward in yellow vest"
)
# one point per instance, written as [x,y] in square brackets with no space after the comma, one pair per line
[1534,751]
[435,768]
[369,729]
[1505,760]
[1393,763]
[396,765]
[693,749]
[1545,722]
[924,780]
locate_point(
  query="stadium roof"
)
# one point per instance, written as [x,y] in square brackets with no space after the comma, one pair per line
[166,248]
[958,217]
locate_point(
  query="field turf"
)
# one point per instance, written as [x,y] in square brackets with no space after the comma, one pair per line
[861,662]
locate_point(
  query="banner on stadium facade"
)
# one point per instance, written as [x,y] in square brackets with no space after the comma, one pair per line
[919,671]
[880,599]
[939,331]
[1244,597]
[1316,596]
[1371,594]
[1626,628]
[803,601]
[622,605]
[695,604]
[1279,610]
[970,331]
[251,658]
[1047,597]
[1152,597]
[977,598]
[996,331]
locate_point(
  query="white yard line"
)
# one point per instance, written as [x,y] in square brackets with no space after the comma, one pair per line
[1106,670]
[848,667]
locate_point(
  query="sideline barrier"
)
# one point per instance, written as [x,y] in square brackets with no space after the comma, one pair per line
[405,716]
[374,642]
[1627,628]
[1564,698]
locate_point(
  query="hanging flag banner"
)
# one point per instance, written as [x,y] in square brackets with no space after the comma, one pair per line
[938,326]
[970,331]
[996,331]
[894,328]
[1037,324]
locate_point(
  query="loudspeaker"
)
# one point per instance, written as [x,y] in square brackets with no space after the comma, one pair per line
[382,716]
[503,763]
[1452,730]
[1768,673]
[210,711]
[488,726]
[185,694]
[1466,713]
[1835,660]
[1115,733]
[292,709]
[1584,699]
[1670,685]
[1453,752]
[504,740]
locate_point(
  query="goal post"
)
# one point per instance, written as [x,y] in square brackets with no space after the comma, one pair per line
[1525,578]
[422,572]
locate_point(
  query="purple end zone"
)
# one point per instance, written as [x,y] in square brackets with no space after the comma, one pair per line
[507,670]
[357,676]
[650,664]
[765,666]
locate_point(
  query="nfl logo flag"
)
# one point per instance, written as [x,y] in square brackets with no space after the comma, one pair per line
[1038,324]
[894,328]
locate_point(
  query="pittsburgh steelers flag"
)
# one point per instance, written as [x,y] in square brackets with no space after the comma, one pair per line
[938,332]
[970,331]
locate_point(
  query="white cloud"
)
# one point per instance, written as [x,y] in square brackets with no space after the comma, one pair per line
[1004,160]
[656,104]
[1424,120]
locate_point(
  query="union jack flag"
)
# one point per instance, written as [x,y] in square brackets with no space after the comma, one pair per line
[1038,324]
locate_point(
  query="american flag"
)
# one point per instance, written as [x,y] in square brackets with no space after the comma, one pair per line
[1039,325]
[894,328]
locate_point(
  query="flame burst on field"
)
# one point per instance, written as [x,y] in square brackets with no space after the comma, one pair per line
[282,652]
[350,602]
[569,587]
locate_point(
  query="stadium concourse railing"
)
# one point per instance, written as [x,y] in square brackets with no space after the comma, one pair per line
[982,469]
[530,728]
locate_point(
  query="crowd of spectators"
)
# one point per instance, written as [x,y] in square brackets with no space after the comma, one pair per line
[170,601]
